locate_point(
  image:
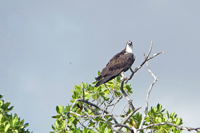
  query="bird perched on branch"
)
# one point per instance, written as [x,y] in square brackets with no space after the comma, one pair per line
[119,64]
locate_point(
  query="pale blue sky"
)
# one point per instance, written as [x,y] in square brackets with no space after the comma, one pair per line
[39,39]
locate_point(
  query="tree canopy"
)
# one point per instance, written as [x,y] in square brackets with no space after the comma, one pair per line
[10,123]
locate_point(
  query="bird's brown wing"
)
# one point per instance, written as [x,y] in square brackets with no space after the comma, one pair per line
[123,63]
[115,67]
[110,63]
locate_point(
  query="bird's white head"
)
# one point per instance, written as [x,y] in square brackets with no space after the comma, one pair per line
[129,47]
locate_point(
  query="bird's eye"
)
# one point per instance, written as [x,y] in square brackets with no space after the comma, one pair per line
[129,43]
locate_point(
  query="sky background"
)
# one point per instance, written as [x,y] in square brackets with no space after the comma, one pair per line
[47,47]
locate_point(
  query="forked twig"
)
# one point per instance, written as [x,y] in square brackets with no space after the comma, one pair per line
[126,118]
[132,74]
[146,59]
[148,94]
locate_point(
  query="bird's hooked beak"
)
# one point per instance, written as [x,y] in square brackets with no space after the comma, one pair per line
[129,43]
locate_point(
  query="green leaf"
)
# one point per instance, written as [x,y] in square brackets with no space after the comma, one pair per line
[95,97]
[5,106]
[102,94]
[1,96]
[1,103]
[7,127]
[26,125]
[118,94]
[167,114]
[22,122]
[57,116]
[59,109]
[118,79]
[67,108]
[162,110]
[170,120]
[108,131]
[72,119]
[172,114]
[92,124]
[159,120]
[11,108]
[15,131]
[85,85]
[107,91]
[159,107]
[88,96]
[64,123]
[1,118]
[99,73]
[91,88]
[154,110]
[104,127]
[15,120]
[178,121]
[57,124]
[78,88]
[53,128]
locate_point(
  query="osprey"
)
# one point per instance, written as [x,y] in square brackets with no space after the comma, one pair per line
[120,63]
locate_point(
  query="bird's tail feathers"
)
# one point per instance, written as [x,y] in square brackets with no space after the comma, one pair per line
[103,81]
[98,78]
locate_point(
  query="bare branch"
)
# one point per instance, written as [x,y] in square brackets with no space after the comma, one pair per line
[148,93]
[140,66]
[94,105]
[122,125]
[126,118]
[112,99]
[133,72]
[115,103]
[126,96]
[172,124]
[136,69]
[146,59]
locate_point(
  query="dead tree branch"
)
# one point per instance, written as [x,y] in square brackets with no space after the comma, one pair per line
[94,105]
[146,59]
[130,77]
[126,118]
[126,95]
[122,125]
[103,112]
[148,93]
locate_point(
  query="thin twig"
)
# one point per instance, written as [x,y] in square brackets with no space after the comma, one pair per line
[147,59]
[136,69]
[116,103]
[126,118]
[140,66]
[122,125]
[112,99]
[94,105]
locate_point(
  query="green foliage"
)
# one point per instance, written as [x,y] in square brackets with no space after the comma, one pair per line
[157,115]
[8,122]
[102,95]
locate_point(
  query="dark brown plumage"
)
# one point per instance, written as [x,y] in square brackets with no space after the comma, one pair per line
[121,62]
